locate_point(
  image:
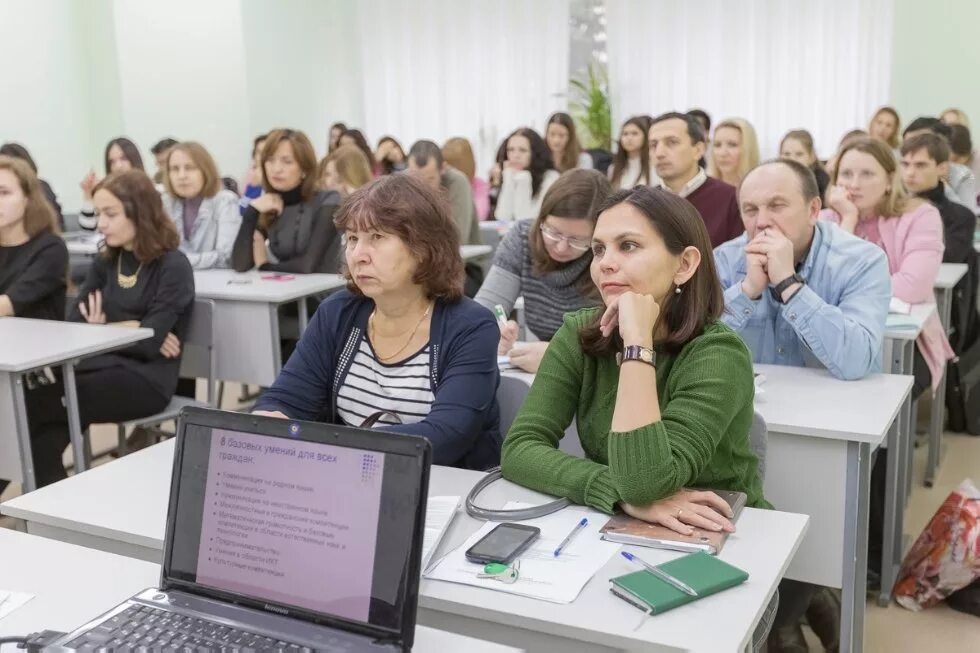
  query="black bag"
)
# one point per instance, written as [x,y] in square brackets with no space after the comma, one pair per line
[473,279]
[967,599]
[963,391]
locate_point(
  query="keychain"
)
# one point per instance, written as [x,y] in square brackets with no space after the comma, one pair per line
[501,572]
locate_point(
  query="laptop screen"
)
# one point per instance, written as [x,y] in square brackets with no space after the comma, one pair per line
[324,528]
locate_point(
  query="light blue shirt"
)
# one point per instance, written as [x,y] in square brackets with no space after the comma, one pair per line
[836,320]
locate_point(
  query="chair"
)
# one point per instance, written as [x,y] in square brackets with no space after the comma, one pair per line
[511,393]
[199,339]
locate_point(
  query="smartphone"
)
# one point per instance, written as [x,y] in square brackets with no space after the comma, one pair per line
[503,544]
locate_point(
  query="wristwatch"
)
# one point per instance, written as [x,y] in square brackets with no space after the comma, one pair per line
[777,290]
[637,353]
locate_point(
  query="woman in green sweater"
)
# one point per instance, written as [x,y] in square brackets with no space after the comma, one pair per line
[676,412]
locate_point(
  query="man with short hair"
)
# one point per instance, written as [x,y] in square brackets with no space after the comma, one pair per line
[425,162]
[677,143]
[961,184]
[801,291]
[160,151]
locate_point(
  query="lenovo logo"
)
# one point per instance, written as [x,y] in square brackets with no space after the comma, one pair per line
[276,609]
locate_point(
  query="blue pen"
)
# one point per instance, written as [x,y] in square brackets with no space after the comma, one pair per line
[660,573]
[575,531]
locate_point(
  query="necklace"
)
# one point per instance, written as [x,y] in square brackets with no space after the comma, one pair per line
[414,331]
[126,281]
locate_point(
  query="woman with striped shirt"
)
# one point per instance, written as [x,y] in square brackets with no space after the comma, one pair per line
[546,261]
[402,342]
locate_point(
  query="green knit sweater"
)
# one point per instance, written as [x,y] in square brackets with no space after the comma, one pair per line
[706,393]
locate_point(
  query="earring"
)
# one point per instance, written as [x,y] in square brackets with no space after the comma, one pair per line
[677,290]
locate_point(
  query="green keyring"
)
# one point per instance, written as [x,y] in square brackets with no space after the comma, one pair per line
[495,568]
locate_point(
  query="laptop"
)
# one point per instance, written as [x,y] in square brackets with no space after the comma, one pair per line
[282,535]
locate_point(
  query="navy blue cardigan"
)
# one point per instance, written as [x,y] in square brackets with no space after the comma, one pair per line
[464,422]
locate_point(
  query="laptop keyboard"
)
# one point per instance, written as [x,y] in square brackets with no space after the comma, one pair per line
[143,629]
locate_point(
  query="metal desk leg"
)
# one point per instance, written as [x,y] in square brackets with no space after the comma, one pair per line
[908,361]
[855,571]
[303,316]
[23,433]
[74,425]
[891,545]
[936,423]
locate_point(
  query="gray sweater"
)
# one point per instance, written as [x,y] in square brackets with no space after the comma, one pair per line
[547,297]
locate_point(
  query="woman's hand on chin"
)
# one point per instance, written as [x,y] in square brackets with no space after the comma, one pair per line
[686,510]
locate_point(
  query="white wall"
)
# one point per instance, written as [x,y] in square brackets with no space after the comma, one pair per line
[182,75]
[44,92]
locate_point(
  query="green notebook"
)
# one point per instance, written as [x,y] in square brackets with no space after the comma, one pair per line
[706,575]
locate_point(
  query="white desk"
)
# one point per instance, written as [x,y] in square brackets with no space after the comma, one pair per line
[90,509]
[82,243]
[474,251]
[27,345]
[72,585]
[949,275]
[821,434]
[246,318]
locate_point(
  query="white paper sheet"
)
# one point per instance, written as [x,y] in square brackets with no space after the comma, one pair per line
[439,515]
[10,601]
[542,575]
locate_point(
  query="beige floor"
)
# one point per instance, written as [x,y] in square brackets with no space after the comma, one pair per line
[888,630]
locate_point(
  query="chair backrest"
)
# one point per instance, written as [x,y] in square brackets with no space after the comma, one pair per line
[759,441]
[197,357]
[510,397]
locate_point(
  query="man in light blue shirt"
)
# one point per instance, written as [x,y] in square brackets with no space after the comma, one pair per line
[797,290]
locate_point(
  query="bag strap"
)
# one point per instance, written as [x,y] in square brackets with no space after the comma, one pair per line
[373,418]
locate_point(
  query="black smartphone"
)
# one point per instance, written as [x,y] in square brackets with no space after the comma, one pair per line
[503,544]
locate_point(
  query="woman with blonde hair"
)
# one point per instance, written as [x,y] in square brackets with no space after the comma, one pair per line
[953,116]
[885,125]
[205,214]
[344,170]
[458,153]
[734,151]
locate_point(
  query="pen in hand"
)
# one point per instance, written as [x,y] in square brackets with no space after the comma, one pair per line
[661,574]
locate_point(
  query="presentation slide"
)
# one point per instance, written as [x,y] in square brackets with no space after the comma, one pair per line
[291,522]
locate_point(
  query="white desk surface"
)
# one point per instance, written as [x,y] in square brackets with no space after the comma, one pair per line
[85,243]
[950,275]
[251,287]
[811,402]
[72,584]
[94,503]
[474,251]
[28,344]
[921,313]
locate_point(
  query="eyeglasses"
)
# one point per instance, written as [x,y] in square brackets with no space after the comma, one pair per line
[556,236]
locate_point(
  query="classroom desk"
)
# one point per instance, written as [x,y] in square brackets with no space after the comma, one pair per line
[246,318]
[822,432]
[469,252]
[27,345]
[82,243]
[898,358]
[90,510]
[72,585]
[949,275]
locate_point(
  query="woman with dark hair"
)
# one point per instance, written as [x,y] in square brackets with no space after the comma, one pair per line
[18,151]
[546,261]
[631,163]
[253,178]
[139,280]
[661,389]
[33,259]
[336,131]
[525,176]
[566,151]
[390,155]
[295,218]
[356,138]
[401,339]
[121,154]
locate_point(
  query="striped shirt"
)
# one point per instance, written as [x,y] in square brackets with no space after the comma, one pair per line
[403,388]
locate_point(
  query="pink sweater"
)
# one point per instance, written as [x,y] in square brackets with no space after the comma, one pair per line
[913,243]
